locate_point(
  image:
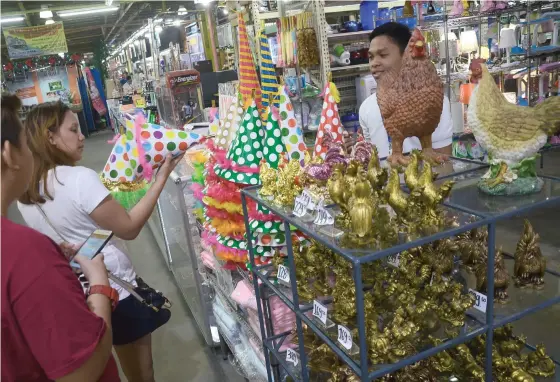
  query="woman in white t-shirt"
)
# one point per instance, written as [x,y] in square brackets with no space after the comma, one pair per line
[76,203]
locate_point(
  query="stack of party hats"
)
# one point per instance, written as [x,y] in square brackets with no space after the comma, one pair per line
[330,120]
[269,84]
[292,134]
[248,81]
[137,153]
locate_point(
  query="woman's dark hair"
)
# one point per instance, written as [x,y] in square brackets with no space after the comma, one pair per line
[399,33]
[42,119]
[11,124]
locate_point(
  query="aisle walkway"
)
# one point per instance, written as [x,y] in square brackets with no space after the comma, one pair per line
[180,352]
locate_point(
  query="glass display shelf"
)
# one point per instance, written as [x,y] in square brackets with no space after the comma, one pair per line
[466,196]
[456,221]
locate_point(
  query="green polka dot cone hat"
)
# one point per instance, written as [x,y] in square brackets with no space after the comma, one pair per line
[258,226]
[276,240]
[232,243]
[246,151]
[273,146]
[261,250]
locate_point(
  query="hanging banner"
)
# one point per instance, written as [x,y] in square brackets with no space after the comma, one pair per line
[35,41]
[96,99]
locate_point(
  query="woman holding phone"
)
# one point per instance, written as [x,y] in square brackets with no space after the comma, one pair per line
[68,202]
[39,289]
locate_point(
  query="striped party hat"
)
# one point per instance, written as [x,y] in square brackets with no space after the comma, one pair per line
[269,84]
[248,80]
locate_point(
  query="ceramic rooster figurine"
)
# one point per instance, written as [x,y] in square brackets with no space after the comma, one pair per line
[411,101]
[511,134]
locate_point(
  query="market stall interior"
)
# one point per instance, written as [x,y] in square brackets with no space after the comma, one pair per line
[299,259]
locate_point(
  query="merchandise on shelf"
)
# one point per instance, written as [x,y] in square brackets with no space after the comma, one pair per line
[513,153]
[330,120]
[248,80]
[268,74]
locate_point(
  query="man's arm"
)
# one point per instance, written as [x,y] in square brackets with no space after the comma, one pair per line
[443,135]
[447,150]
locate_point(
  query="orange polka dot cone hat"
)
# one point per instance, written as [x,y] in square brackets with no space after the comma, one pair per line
[143,148]
[330,121]
[292,135]
[243,158]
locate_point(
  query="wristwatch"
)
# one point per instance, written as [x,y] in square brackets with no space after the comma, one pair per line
[106,291]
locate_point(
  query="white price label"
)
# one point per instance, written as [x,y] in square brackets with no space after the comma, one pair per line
[300,208]
[323,217]
[283,274]
[479,300]
[292,357]
[344,337]
[320,311]
[394,260]
[307,200]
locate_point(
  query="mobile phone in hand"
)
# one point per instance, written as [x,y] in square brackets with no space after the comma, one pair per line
[93,245]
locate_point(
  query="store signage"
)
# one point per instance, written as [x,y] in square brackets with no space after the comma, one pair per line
[292,357]
[187,80]
[320,311]
[394,260]
[35,41]
[344,337]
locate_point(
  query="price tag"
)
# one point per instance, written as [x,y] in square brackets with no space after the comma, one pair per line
[300,208]
[479,300]
[320,311]
[394,260]
[308,200]
[344,337]
[292,357]
[283,274]
[323,217]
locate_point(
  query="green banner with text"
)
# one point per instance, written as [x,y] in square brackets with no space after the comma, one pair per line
[35,41]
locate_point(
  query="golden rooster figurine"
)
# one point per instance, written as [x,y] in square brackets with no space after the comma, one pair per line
[361,207]
[530,265]
[411,177]
[376,175]
[511,134]
[501,278]
[430,196]
[396,198]
[411,101]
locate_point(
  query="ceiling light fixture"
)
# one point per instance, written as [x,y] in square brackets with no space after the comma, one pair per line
[45,13]
[12,19]
[158,29]
[87,11]
[225,11]
[177,22]
[182,11]
[49,21]
[108,2]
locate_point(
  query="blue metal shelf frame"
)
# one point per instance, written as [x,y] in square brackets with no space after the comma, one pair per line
[359,257]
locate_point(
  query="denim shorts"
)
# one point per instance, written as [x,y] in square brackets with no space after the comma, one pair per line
[133,320]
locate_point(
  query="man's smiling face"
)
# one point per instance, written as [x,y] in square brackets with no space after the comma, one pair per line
[384,55]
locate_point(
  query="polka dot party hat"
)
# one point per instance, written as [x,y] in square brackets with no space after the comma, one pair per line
[292,135]
[273,145]
[244,156]
[330,121]
[229,125]
[152,142]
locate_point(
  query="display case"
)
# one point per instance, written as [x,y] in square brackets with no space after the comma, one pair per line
[175,230]
[349,346]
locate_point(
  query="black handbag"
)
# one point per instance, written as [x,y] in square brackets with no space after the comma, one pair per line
[144,293]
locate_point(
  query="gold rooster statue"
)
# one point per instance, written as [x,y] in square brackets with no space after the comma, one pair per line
[336,186]
[396,198]
[501,278]
[431,196]
[511,134]
[361,206]
[376,175]
[530,265]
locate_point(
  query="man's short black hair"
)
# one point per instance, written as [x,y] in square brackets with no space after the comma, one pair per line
[399,33]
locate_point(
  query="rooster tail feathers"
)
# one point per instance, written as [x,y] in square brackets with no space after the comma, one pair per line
[549,110]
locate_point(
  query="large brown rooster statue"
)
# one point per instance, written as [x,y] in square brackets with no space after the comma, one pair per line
[411,101]
[511,134]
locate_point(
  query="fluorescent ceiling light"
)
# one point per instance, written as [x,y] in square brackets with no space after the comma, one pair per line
[45,14]
[177,22]
[182,10]
[61,55]
[158,29]
[49,21]
[86,11]
[12,19]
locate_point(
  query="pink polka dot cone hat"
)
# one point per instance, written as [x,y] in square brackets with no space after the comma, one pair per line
[143,148]
[330,121]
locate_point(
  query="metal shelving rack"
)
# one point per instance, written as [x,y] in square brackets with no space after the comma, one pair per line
[472,210]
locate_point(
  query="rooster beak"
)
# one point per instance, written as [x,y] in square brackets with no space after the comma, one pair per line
[419,44]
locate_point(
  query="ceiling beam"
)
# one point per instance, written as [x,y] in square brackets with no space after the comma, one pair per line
[118,20]
[59,8]
[22,8]
[132,17]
